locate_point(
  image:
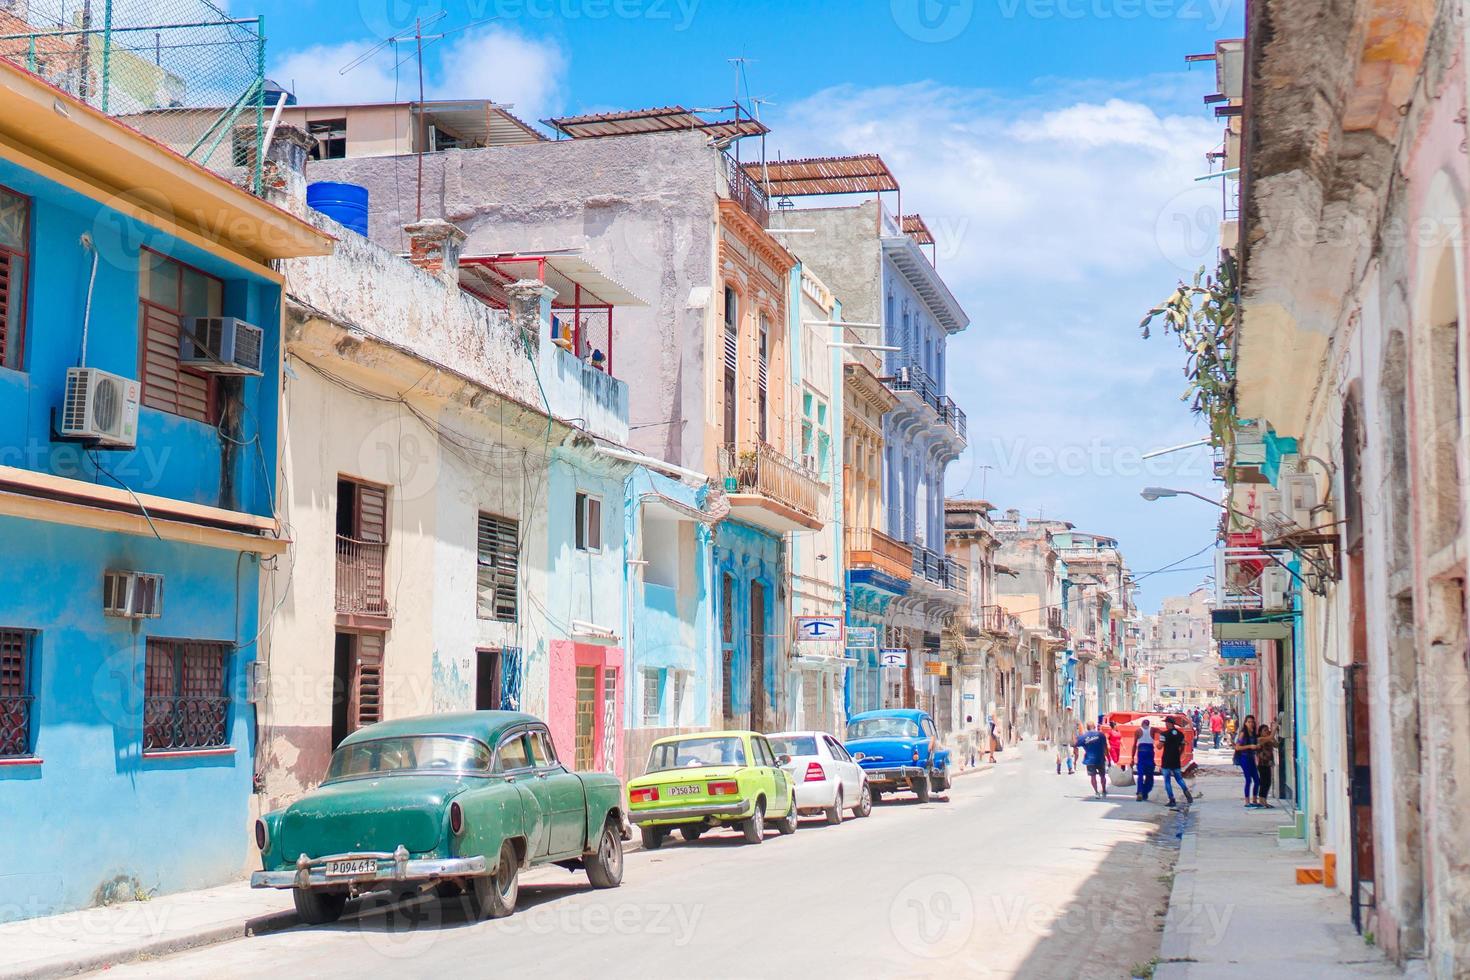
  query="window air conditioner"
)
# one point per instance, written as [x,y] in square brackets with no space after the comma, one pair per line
[132,595]
[221,345]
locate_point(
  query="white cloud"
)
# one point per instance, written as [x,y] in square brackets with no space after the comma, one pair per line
[492,63]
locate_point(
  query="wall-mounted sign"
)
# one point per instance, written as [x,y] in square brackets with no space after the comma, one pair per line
[967,697]
[893,657]
[863,637]
[819,629]
[1237,649]
[936,668]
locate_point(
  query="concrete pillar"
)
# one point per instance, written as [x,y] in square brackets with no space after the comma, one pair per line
[283,176]
[434,245]
[530,309]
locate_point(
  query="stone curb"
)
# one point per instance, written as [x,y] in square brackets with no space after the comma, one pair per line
[204,936]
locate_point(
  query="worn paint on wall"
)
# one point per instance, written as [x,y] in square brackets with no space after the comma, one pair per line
[749,554]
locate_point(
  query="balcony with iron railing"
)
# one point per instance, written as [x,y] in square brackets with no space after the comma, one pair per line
[360,577]
[928,565]
[870,548]
[1054,623]
[770,489]
[994,620]
[746,192]
[912,380]
[956,576]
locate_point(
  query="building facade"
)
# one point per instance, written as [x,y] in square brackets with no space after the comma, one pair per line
[137,504]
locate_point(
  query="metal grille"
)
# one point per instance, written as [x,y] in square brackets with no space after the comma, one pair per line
[499,546]
[15,700]
[185,705]
[609,719]
[650,697]
[586,715]
[181,71]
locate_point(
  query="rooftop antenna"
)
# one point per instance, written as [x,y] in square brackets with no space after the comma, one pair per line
[417,33]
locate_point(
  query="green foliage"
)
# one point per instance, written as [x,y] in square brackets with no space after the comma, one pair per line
[1202,315]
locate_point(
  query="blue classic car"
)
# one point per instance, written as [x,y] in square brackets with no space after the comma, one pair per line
[899,749]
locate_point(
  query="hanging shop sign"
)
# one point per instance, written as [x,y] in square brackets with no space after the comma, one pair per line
[862,637]
[893,657]
[819,629]
[1237,649]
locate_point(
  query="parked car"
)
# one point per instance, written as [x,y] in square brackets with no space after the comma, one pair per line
[827,780]
[458,801]
[696,782]
[899,749]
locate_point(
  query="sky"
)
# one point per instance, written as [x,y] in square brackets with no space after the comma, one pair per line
[1051,145]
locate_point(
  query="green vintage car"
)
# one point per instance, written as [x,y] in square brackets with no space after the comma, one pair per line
[695,782]
[461,802]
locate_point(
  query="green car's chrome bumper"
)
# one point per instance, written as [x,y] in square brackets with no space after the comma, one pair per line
[684,814]
[394,867]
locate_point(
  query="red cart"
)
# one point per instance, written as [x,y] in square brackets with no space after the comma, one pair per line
[1129,727]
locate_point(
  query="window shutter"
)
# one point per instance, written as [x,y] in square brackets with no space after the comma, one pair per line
[166,385]
[499,548]
[13,647]
[367,681]
[594,524]
[372,513]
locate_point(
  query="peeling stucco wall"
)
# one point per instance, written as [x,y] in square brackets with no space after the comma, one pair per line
[641,208]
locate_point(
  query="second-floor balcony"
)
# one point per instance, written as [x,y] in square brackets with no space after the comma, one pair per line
[744,191]
[994,620]
[360,578]
[939,570]
[913,381]
[769,489]
[870,548]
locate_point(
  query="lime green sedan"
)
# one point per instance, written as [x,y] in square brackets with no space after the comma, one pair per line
[695,782]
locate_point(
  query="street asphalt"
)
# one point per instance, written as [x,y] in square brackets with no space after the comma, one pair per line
[1017,873]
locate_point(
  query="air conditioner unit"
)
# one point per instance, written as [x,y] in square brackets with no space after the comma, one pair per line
[1275,588]
[221,345]
[132,595]
[1299,493]
[100,407]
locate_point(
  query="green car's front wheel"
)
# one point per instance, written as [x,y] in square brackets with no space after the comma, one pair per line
[605,866]
[494,896]
[319,908]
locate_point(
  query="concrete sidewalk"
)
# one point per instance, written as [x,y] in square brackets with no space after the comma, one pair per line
[1236,910]
[96,938]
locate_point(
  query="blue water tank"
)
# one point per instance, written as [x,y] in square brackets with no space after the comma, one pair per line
[346,203]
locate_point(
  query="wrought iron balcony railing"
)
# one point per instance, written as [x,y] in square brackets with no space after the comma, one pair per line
[872,548]
[171,723]
[956,576]
[15,725]
[360,577]
[928,565]
[994,619]
[914,379]
[762,470]
[745,192]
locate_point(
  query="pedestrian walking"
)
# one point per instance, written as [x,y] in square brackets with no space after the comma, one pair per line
[1265,763]
[1115,743]
[1195,720]
[992,741]
[1217,726]
[1094,747]
[1171,747]
[1245,757]
[1143,760]
[1064,740]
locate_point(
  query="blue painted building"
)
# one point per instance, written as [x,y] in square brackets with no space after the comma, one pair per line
[129,600]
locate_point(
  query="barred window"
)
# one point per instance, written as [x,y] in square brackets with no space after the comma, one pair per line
[497,559]
[185,703]
[16,647]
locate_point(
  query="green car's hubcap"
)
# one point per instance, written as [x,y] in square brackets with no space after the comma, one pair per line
[611,854]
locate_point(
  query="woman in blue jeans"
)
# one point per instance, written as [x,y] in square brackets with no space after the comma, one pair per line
[1245,758]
